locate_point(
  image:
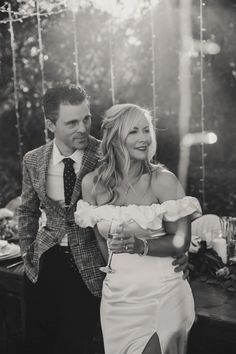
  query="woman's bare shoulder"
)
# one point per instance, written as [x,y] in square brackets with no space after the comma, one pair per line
[161,174]
[92,190]
[87,187]
[88,179]
[165,184]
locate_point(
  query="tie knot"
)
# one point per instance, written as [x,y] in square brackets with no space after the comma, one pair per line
[68,162]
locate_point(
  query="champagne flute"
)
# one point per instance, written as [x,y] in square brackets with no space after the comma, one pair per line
[114,231]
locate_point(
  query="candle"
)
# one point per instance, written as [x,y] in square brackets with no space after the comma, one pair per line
[219,245]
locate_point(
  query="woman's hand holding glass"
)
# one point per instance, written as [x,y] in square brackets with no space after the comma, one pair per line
[128,242]
[115,232]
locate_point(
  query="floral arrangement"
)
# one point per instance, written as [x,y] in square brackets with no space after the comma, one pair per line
[207,266]
[8,225]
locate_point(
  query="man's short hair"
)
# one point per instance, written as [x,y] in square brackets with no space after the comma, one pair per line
[70,94]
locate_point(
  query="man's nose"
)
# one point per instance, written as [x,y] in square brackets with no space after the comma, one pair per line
[81,127]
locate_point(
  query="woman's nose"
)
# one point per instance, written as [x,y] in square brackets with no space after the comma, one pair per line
[142,136]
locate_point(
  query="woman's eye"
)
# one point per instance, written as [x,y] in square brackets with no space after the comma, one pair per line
[133,132]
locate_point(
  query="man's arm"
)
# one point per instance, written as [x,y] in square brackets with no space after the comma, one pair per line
[28,212]
[181,265]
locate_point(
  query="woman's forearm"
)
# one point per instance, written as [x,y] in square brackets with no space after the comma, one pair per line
[175,242]
[167,246]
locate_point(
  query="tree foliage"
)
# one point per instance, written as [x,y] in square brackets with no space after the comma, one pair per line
[131,43]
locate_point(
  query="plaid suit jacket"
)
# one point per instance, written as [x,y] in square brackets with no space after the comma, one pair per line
[35,240]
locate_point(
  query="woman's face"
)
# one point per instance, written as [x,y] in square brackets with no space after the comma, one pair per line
[138,139]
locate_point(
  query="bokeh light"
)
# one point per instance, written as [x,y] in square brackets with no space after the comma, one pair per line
[199,138]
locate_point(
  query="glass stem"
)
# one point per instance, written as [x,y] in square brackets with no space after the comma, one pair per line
[109,259]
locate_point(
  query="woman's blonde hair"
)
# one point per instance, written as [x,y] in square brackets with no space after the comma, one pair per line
[118,121]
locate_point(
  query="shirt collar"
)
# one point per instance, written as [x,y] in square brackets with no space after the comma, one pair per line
[57,157]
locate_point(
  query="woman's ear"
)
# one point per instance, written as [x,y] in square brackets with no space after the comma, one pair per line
[50,125]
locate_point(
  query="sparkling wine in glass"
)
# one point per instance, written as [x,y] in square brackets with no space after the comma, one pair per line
[114,231]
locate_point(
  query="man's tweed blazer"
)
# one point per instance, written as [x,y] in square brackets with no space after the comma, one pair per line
[35,240]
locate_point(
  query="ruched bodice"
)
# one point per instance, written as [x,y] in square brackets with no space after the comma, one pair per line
[149,217]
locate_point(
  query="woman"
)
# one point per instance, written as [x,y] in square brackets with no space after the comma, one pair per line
[146,307]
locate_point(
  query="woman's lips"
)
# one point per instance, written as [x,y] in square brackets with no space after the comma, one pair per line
[141,148]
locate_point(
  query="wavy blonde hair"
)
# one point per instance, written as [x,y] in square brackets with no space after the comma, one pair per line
[117,122]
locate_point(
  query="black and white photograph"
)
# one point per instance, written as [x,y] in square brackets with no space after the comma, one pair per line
[117,177]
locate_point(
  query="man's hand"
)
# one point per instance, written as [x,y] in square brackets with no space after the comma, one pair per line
[181,263]
[6,213]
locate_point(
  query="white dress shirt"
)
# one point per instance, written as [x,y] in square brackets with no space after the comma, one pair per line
[55,184]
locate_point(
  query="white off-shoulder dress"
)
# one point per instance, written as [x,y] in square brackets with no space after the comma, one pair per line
[144,295]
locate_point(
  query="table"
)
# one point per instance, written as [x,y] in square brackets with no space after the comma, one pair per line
[11,308]
[215,328]
[213,332]
[11,279]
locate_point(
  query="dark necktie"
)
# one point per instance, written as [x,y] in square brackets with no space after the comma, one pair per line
[69,178]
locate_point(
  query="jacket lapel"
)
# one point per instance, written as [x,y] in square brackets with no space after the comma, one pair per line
[43,172]
[89,163]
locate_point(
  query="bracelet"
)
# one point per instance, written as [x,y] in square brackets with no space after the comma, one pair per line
[145,247]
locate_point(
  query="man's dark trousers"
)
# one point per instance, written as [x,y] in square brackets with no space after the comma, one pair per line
[61,313]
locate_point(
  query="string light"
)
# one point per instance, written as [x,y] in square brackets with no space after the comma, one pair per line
[202,98]
[76,52]
[16,99]
[153,60]
[184,88]
[73,6]
[153,66]
[111,55]
[18,17]
[41,64]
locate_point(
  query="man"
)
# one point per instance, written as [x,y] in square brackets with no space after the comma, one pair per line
[62,279]
[61,260]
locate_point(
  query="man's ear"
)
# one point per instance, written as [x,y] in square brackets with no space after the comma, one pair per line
[50,125]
